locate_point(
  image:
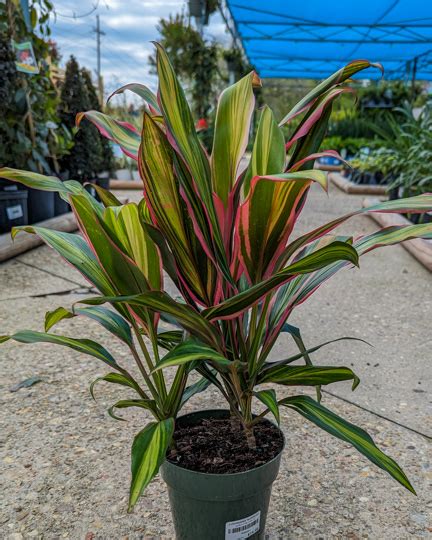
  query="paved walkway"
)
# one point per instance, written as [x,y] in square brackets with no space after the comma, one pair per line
[65,462]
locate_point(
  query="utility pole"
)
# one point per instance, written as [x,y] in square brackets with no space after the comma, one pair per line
[99,33]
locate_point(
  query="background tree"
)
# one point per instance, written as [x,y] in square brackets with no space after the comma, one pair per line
[28,104]
[85,159]
[107,162]
[194,59]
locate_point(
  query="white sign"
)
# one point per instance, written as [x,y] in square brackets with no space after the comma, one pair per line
[14,212]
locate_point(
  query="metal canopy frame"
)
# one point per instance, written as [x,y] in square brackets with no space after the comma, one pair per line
[281,43]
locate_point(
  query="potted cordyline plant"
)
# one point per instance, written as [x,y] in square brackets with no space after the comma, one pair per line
[223,235]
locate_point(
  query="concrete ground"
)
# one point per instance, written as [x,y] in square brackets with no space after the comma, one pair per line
[65,462]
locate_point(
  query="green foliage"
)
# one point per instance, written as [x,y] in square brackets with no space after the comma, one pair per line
[224,236]
[378,103]
[406,152]
[194,61]
[85,159]
[30,134]
[107,161]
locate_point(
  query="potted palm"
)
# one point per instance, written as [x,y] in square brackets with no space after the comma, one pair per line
[223,234]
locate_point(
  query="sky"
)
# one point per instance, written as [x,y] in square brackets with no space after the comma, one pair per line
[129,26]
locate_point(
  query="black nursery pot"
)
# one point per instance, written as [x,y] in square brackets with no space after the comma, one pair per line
[41,205]
[219,506]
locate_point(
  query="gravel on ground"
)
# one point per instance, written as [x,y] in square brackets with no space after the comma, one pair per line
[66,463]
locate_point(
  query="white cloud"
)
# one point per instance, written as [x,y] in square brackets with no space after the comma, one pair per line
[129,27]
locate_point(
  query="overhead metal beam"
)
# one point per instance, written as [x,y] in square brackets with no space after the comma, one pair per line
[333,25]
[333,40]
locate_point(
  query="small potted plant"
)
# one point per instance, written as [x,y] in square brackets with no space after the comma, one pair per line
[223,235]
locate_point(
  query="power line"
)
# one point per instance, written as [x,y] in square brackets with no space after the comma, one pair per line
[82,15]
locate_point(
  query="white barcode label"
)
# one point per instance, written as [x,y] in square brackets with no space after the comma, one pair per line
[14,212]
[243,528]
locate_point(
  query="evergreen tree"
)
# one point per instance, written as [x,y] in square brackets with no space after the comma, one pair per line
[107,153]
[86,157]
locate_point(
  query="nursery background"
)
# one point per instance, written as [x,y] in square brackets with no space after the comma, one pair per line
[66,465]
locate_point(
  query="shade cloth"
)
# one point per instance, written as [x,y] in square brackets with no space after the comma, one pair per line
[310,39]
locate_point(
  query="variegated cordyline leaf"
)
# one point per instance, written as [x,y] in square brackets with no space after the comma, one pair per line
[267,217]
[122,133]
[148,453]
[197,191]
[312,157]
[85,346]
[413,205]
[191,351]
[125,276]
[74,249]
[337,78]
[49,183]
[143,92]
[268,153]
[316,112]
[189,319]
[104,316]
[128,233]
[231,133]
[340,428]
[167,208]
[299,289]
[244,300]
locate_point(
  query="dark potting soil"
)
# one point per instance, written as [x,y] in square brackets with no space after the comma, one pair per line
[217,446]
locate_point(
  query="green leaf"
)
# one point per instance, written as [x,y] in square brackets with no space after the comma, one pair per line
[160,302]
[162,193]
[169,339]
[231,133]
[195,388]
[267,218]
[296,335]
[308,375]
[125,228]
[268,397]
[140,90]
[340,428]
[337,251]
[85,346]
[48,183]
[180,124]
[123,272]
[122,133]
[148,404]
[148,453]
[107,198]
[337,78]
[268,154]
[55,316]
[115,378]
[74,250]
[189,351]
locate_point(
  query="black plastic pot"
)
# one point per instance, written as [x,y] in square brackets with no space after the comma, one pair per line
[219,506]
[13,209]
[40,205]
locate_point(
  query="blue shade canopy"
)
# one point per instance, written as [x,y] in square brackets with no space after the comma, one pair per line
[313,38]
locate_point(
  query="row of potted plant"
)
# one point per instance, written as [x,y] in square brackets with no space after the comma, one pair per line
[224,236]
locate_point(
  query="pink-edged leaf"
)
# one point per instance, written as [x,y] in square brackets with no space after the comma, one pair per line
[337,78]
[122,133]
[232,125]
[143,92]
[267,217]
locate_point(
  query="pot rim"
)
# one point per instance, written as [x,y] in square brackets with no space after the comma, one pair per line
[231,475]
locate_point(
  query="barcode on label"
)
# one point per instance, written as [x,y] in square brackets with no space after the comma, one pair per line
[243,528]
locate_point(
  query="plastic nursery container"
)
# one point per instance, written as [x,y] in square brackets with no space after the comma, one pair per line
[13,209]
[219,506]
